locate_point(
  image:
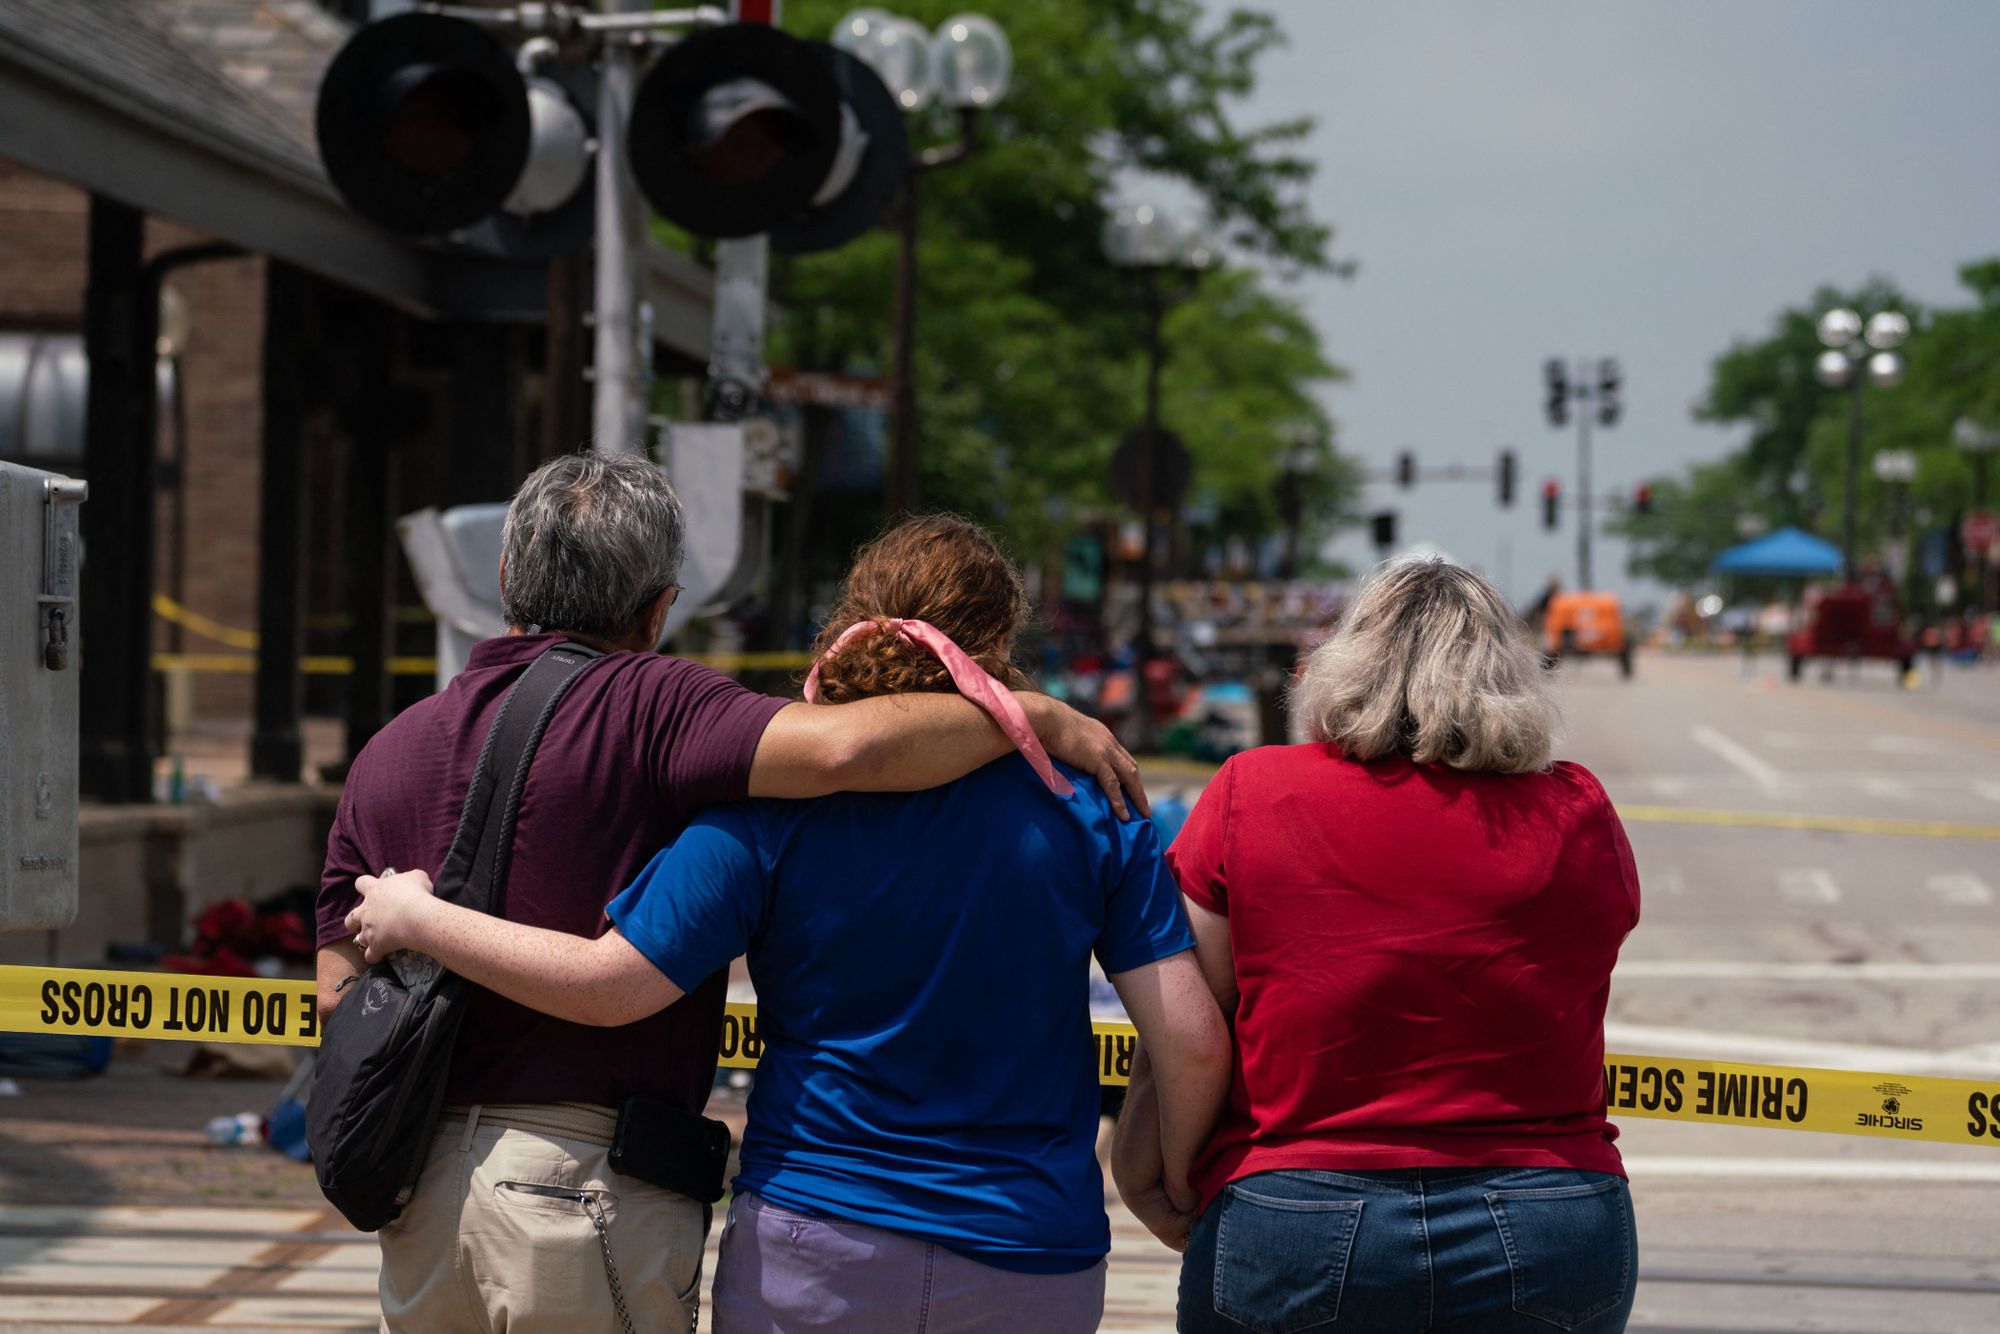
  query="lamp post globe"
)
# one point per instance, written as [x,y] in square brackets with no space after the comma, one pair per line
[1839,327]
[1141,236]
[973,61]
[1831,369]
[1885,370]
[896,48]
[1887,329]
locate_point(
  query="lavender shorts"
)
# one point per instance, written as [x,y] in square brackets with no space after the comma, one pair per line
[781,1272]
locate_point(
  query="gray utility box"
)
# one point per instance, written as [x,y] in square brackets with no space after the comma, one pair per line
[39,553]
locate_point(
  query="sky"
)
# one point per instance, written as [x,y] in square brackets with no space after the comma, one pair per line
[1645,181]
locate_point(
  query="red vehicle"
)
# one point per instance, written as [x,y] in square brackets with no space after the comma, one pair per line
[1852,621]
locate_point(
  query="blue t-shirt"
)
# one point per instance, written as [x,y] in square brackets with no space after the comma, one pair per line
[922,964]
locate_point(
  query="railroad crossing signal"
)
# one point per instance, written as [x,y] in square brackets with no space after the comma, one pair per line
[431,125]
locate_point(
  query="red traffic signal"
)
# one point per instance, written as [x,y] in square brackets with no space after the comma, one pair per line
[1552,491]
[1642,498]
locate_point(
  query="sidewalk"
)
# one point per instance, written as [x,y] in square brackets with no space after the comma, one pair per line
[117,1213]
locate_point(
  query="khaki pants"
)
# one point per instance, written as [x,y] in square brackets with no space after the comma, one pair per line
[496,1240]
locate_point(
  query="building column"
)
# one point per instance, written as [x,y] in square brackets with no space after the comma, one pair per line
[277,749]
[116,759]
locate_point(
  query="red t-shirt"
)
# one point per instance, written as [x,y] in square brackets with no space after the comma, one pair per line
[1423,958]
[638,746]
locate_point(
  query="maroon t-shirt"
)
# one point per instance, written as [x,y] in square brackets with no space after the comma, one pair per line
[1422,958]
[637,747]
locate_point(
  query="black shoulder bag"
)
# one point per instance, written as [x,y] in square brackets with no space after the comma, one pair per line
[385,1051]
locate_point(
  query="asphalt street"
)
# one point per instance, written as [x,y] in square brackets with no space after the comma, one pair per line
[1869,939]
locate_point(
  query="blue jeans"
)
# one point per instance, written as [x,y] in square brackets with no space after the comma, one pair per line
[1471,1251]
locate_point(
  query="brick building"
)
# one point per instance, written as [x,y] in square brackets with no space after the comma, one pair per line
[254,382]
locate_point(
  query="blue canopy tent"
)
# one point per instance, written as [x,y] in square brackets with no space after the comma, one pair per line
[1787,552]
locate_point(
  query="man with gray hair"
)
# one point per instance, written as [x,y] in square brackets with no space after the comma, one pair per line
[517,1196]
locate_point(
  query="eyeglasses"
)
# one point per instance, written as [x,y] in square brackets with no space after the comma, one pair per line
[673,592]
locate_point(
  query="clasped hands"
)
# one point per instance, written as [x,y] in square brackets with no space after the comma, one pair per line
[390,913]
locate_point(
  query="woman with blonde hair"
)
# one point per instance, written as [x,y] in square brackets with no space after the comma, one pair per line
[921,1144]
[1412,924]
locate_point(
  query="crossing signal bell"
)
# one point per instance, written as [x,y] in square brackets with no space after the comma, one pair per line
[1551,502]
[1507,472]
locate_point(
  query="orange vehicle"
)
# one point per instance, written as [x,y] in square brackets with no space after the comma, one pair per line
[1584,625]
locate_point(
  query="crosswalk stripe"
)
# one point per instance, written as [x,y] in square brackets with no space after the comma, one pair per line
[1893,789]
[1808,884]
[1961,887]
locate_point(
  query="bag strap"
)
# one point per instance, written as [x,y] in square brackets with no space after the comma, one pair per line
[475,870]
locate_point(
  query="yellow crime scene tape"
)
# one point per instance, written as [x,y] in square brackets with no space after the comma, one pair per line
[191,1007]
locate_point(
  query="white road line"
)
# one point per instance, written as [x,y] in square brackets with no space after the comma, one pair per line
[1732,970]
[1757,770]
[1961,887]
[1765,1049]
[1808,884]
[1669,787]
[1889,789]
[1990,791]
[1816,1169]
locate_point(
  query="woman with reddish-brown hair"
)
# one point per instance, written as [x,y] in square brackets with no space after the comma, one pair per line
[920,1152]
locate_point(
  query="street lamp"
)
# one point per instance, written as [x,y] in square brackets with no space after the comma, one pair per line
[1165,256]
[1980,441]
[1301,461]
[1896,469]
[968,65]
[1856,352]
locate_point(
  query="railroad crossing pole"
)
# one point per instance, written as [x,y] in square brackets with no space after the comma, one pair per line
[620,365]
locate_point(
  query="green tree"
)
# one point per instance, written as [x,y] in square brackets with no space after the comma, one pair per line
[1793,466]
[1028,354]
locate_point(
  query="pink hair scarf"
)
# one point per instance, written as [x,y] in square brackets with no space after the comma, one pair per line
[973,681]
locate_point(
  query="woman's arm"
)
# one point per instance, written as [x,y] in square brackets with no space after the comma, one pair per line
[605,981]
[1187,1047]
[1138,1159]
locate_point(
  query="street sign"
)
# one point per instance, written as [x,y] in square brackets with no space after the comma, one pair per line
[1173,468]
[1978,529]
[822,389]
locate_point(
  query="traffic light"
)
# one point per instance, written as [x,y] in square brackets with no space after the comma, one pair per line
[1558,385]
[1406,469]
[1609,381]
[427,126]
[1507,474]
[1642,498]
[1384,524]
[1552,491]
